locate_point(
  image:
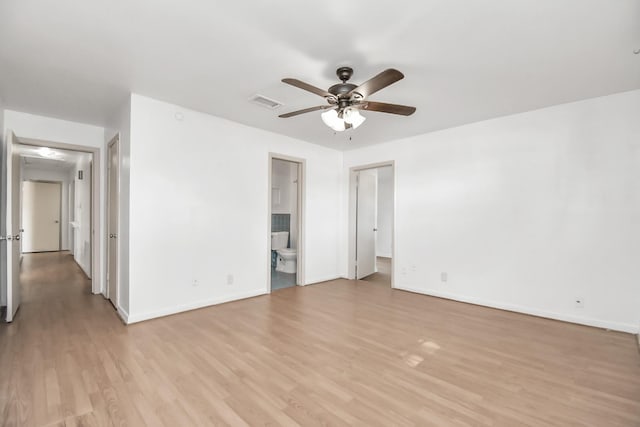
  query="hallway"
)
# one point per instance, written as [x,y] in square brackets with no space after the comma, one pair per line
[52,349]
[48,277]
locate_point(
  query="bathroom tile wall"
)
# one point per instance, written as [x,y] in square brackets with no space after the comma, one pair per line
[281,222]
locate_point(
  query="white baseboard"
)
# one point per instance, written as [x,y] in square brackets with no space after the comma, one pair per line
[134,318]
[123,315]
[614,326]
[323,279]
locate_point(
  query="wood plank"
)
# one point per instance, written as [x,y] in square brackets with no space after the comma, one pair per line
[338,353]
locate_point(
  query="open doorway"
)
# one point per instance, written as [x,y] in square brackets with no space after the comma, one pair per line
[286,185]
[76,169]
[371,223]
[56,202]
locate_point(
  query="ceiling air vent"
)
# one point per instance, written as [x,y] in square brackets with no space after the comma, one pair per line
[263,101]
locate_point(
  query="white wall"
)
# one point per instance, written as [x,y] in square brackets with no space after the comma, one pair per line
[82,214]
[385,212]
[189,221]
[30,126]
[280,183]
[32,173]
[120,124]
[524,212]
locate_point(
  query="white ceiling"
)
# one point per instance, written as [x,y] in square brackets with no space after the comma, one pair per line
[464,61]
[46,158]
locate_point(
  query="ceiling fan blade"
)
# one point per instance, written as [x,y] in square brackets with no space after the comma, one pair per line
[306,86]
[306,110]
[383,107]
[374,84]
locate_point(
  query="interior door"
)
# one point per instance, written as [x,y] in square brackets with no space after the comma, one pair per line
[112,227]
[366,206]
[41,212]
[11,227]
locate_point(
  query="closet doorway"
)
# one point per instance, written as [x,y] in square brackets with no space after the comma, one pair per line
[372,202]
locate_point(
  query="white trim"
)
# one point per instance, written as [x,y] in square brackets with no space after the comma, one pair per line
[587,321]
[115,142]
[323,279]
[134,318]
[122,313]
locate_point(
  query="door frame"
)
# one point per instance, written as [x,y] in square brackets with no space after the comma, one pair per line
[113,141]
[42,181]
[300,252]
[353,206]
[97,278]
[11,197]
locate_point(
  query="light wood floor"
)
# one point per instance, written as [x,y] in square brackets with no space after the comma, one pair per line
[337,353]
[383,275]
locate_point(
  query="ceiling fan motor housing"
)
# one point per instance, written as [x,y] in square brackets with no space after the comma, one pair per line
[342,89]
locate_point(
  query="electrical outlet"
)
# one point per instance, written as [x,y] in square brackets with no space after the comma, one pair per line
[195,282]
[230,279]
[579,302]
[444,277]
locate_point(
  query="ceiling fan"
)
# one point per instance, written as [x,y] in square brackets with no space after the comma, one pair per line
[346,100]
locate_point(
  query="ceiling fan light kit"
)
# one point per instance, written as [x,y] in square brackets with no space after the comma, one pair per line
[345,100]
[331,119]
[351,118]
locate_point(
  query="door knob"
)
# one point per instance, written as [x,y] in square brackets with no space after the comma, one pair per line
[112,236]
[16,237]
[375,229]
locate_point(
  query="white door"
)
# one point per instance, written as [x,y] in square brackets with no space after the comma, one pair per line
[41,206]
[112,226]
[10,230]
[366,200]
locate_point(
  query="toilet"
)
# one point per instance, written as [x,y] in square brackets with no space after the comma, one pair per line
[285,257]
[286,260]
